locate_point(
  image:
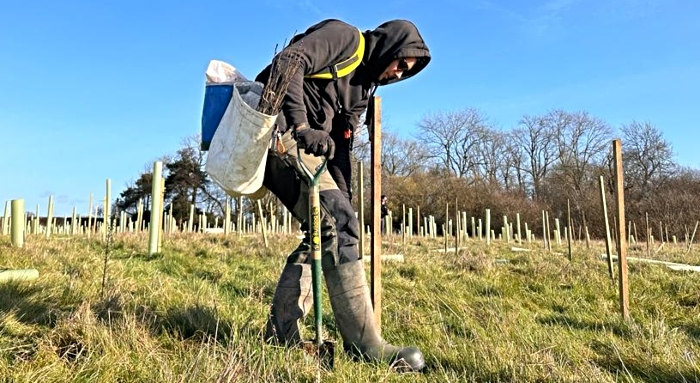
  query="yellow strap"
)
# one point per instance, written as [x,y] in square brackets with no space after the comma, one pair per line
[344,67]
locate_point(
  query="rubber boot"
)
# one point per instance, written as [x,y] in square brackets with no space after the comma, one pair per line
[354,316]
[293,299]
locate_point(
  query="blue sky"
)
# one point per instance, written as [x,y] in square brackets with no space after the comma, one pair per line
[91,90]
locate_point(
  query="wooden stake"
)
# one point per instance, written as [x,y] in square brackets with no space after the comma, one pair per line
[456,226]
[608,240]
[376,239]
[549,232]
[49,217]
[263,226]
[569,231]
[403,224]
[646,215]
[444,230]
[108,207]
[35,221]
[418,232]
[73,222]
[588,237]
[621,243]
[690,243]
[89,223]
[361,206]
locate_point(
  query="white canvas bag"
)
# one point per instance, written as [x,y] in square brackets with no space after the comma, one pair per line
[238,151]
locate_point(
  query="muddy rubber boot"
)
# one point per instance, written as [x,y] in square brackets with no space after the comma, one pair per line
[293,299]
[352,307]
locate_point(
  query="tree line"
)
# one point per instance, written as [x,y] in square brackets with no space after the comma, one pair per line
[546,162]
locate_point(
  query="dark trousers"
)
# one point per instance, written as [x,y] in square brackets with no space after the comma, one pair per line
[340,229]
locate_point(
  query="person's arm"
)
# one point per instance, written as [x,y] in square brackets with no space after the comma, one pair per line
[327,44]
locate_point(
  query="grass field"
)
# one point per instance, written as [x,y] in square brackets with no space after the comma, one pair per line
[195,313]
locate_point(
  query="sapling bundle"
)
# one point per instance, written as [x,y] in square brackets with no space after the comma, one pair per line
[284,67]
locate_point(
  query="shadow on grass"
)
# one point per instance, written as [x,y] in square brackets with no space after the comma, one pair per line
[638,369]
[134,255]
[260,292]
[24,300]
[195,323]
[618,329]
[468,372]
[692,330]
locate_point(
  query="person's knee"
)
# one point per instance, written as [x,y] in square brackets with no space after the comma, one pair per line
[301,254]
[340,209]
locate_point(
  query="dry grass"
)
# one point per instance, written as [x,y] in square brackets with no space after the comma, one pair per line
[195,312]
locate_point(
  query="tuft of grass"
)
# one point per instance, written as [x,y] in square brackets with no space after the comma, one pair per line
[195,312]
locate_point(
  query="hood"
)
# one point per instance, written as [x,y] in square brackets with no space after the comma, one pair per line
[394,40]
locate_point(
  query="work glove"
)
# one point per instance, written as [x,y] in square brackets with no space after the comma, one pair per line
[314,141]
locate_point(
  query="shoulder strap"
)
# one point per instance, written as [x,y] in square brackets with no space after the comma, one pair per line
[344,67]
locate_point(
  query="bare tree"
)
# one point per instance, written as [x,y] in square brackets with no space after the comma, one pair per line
[582,142]
[535,139]
[401,157]
[513,173]
[490,156]
[452,139]
[648,157]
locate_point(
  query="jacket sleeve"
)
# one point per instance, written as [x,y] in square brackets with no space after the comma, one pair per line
[324,44]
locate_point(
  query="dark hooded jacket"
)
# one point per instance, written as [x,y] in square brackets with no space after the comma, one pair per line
[337,107]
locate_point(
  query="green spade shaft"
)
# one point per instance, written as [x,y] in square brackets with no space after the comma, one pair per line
[315,224]
[313,182]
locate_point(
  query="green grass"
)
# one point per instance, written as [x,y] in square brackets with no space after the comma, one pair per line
[195,313]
